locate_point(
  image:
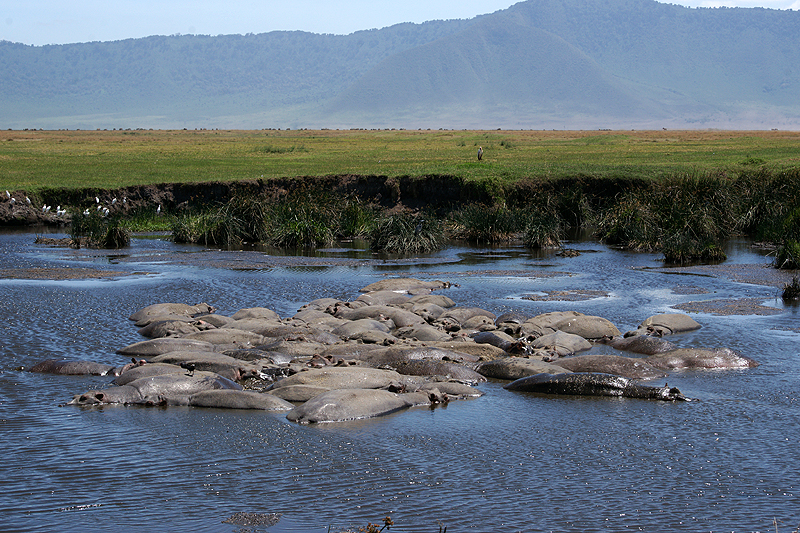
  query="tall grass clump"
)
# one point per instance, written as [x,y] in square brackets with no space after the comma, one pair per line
[685,217]
[95,230]
[485,224]
[355,219]
[543,229]
[405,234]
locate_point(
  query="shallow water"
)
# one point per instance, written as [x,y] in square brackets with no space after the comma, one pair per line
[503,462]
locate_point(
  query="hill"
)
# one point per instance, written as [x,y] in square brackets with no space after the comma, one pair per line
[538,64]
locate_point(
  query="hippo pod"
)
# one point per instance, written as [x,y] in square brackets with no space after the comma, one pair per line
[591,384]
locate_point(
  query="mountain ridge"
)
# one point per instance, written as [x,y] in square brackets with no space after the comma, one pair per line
[538,64]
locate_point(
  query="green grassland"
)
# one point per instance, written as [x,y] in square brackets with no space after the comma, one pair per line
[32,160]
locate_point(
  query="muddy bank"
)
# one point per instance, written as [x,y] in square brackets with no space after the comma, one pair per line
[24,208]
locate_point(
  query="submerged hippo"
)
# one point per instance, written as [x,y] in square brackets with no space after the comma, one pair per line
[593,385]
[74,368]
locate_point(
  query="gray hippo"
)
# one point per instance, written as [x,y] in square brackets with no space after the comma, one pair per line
[561,343]
[643,344]
[353,404]
[593,385]
[143,316]
[517,367]
[433,367]
[79,368]
[153,347]
[587,326]
[611,364]
[699,358]
[238,399]
[502,340]
[155,390]
[406,285]
[666,324]
[342,378]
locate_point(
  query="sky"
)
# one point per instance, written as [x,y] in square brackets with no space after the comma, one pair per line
[41,22]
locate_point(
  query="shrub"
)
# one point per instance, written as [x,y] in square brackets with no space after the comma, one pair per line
[483,224]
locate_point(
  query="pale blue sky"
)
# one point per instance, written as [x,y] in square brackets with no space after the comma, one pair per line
[42,22]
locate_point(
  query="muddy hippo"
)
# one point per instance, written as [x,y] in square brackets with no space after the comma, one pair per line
[383,298]
[587,326]
[502,340]
[510,322]
[255,312]
[593,385]
[643,344]
[611,364]
[172,328]
[699,358]
[435,299]
[353,404]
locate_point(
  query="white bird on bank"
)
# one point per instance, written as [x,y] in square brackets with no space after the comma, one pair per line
[158,211]
[13,201]
[96,200]
[8,194]
[28,200]
[86,213]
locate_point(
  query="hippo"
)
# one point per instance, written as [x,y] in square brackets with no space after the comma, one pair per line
[483,352]
[227,335]
[611,364]
[517,367]
[643,344]
[147,370]
[353,404]
[433,367]
[561,343]
[342,378]
[504,341]
[153,347]
[433,299]
[452,389]
[171,328]
[231,368]
[510,322]
[593,384]
[162,309]
[256,312]
[238,399]
[422,332]
[587,326]
[73,368]
[400,317]
[319,319]
[383,298]
[699,358]
[666,324]
[154,390]
[428,311]
[405,285]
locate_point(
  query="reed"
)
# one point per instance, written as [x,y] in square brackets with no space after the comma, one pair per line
[98,231]
[405,234]
[483,224]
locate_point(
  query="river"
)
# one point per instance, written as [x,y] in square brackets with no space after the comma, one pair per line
[503,462]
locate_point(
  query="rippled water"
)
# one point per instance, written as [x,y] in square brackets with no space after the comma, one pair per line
[503,462]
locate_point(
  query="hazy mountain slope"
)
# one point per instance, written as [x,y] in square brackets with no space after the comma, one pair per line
[540,63]
[494,67]
[196,75]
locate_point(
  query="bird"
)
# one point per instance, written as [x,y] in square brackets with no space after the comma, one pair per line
[86,213]
[96,200]
[189,367]
[28,200]
[13,201]
[480,153]
[158,211]
[114,201]
[8,194]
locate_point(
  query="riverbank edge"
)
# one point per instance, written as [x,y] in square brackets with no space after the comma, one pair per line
[411,192]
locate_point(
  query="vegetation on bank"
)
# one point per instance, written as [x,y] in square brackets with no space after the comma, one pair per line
[681,193]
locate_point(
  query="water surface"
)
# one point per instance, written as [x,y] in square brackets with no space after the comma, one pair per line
[504,462]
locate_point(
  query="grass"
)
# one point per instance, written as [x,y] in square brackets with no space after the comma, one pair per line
[32,160]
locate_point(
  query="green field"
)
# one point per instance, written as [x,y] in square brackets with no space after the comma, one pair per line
[31,160]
